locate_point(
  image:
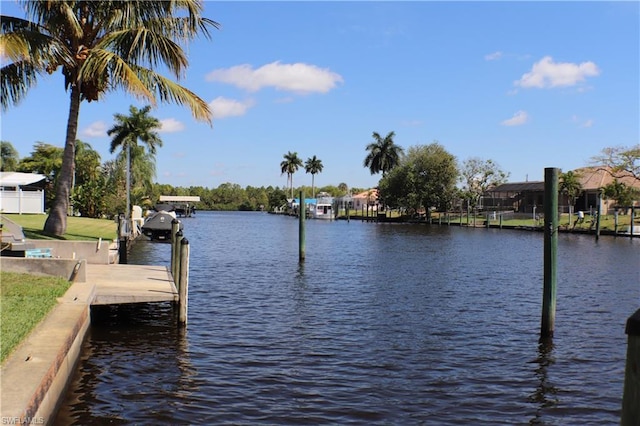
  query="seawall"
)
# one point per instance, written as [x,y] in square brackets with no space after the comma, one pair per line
[36,374]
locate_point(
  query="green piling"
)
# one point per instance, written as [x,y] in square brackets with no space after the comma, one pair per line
[550,252]
[631,394]
[301,234]
[598,214]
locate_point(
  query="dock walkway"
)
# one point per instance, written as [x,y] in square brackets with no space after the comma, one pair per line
[121,284]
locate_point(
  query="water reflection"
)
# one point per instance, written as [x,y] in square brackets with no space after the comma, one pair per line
[123,336]
[546,394]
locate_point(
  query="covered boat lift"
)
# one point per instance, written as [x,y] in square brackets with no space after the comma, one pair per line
[182,204]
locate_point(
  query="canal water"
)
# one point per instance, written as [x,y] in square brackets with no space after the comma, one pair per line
[382,324]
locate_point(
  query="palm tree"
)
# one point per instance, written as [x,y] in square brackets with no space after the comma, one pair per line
[290,165]
[571,186]
[139,125]
[383,154]
[313,166]
[100,46]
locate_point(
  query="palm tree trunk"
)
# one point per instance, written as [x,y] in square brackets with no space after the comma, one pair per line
[56,223]
[291,184]
[128,211]
[313,185]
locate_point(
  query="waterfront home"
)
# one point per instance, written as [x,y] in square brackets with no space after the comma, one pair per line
[525,197]
[365,200]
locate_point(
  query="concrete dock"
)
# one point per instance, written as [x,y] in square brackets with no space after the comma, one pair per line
[34,377]
[121,284]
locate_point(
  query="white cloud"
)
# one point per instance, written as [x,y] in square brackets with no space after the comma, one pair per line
[297,78]
[518,119]
[493,56]
[546,73]
[223,107]
[97,129]
[170,125]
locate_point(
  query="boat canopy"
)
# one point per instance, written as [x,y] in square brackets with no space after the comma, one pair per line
[180,198]
[307,201]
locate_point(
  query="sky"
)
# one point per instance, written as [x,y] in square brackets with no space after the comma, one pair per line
[528,85]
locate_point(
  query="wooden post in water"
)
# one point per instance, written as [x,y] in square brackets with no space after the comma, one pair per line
[615,223]
[550,252]
[301,233]
[633,214]
[598,214]
[175,227]
[183,292]
[631,396]
[175,271]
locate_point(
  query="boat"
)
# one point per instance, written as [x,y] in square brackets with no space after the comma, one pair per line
[323,208]
[157,225]
[182,205]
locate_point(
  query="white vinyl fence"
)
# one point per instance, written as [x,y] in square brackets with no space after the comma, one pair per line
[22,201]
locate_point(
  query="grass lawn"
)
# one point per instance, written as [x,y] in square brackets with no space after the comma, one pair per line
[25,301]
[78,228]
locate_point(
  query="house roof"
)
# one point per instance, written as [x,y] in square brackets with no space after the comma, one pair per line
[371,194]
[519,187]
[20,179]
[593,178]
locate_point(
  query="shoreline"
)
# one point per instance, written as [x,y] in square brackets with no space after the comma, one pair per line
[37,373]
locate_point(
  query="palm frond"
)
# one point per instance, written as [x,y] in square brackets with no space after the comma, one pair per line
[110,66]
[59,16]
[25,42]
[145,48]
[183,28]
[16,80]
[170,91]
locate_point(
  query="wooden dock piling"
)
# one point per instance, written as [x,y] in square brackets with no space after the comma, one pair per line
[301,236]
[550,252]
[631,396]
[183,286]
[176,238]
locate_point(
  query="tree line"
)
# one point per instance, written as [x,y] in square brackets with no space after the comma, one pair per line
[428,177]
[99,188]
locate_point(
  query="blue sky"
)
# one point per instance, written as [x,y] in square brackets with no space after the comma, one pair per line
[527,84]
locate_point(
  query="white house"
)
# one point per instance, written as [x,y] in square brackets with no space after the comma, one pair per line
[22,192]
